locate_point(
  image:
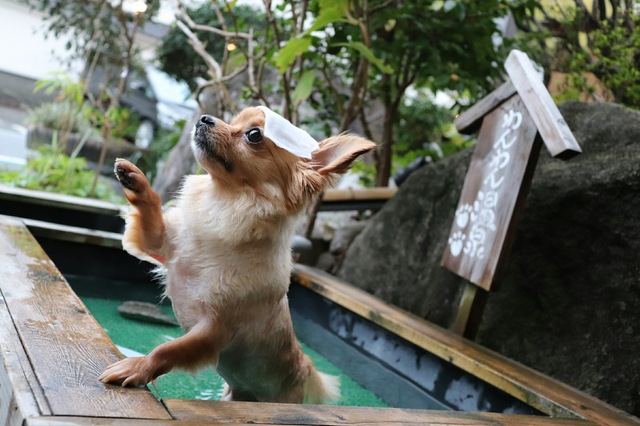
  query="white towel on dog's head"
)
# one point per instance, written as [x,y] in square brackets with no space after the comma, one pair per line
[286,135]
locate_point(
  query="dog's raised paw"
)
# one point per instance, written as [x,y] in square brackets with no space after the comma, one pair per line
[129,176]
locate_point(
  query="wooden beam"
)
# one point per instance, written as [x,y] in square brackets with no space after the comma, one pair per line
[470,120]
[290,414]
[74,234]
[66,348]
[43,198]
[553,129]
[382,193]
[96,421]
[537,390]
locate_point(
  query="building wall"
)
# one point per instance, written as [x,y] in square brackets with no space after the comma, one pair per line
[24,50]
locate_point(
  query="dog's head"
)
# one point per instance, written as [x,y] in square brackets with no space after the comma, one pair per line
[240,156]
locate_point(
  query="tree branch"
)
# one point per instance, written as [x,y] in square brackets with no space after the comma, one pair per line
[214,67]
[183,14]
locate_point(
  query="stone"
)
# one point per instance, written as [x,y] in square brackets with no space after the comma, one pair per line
[344,236]
[146,312]
[568,303]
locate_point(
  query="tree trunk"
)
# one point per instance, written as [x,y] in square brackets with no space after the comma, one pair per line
[180,163]
[385,149]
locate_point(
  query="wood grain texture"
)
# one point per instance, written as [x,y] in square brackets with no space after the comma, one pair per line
[537,390]
[545,114]
[358,194]
[470,120]
[94,421]
[20,394]
[66,347]
[494,191]
[288,414]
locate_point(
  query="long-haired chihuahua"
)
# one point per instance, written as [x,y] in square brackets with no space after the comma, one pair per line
[224,250]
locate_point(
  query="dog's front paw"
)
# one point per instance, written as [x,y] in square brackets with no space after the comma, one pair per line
[130,176]
[136,371]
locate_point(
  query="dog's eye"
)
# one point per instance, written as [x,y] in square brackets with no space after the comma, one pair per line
[254,136]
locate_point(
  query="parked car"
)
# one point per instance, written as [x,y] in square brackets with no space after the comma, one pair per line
[157,100]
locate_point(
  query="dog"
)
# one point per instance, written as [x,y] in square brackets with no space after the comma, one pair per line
[224,249]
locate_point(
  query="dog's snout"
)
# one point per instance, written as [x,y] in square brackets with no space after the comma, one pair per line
[208,119]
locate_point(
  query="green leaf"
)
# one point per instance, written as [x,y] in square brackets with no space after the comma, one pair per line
[304,87]
[330,11]
[368,54]
[288,54]
[437,5]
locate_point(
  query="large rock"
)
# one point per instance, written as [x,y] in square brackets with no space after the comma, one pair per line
[569,301]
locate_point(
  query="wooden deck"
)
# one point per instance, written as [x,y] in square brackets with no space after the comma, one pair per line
[53,350]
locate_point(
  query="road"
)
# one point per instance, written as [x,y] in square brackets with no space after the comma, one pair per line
[16,93]
[13,137]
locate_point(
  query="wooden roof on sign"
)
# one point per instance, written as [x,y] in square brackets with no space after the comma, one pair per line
[526,82]
[501,169]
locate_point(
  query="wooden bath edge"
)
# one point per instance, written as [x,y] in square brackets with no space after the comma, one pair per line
[52,351]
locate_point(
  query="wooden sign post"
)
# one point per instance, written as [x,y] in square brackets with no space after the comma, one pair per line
[510,119]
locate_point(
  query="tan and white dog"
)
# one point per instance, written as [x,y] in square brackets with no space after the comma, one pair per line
[225,252]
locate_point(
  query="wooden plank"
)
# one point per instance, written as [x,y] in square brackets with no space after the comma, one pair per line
[494,190]
[358,194]
[470,120]
[537,390]
[66,347]
[553,129]
[20,393]
[43,198]
[73,234]
[95,421]
[290,414]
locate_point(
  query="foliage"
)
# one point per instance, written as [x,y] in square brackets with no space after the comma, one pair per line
[449,47]
[425,129]
[54,171]
[185,64]
[76,110]
[62,115]
[614,58]
[342,58]
[576,40]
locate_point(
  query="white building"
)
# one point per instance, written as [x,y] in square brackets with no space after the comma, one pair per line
[26,52]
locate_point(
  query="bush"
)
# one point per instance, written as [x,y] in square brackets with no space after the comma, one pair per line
[64,115]
[54,171]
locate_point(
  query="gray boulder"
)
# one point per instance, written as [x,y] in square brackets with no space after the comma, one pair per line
[569,301]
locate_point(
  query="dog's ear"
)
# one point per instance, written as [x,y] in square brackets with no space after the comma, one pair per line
[336,154]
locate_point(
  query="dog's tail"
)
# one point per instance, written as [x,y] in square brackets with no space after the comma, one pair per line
[321,388]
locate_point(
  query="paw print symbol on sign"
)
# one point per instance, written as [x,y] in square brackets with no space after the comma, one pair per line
[456,242]
[463,214]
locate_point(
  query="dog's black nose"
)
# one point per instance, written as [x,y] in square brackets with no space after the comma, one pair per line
[207,119]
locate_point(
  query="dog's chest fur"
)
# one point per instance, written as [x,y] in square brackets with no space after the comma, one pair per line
[224,250]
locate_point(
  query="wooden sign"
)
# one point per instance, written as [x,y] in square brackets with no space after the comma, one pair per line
[510,120]
[502,163]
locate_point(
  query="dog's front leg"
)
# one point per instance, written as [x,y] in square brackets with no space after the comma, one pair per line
[199,347]
[145,231]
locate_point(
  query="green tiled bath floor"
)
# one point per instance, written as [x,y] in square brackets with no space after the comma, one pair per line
[135,338]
